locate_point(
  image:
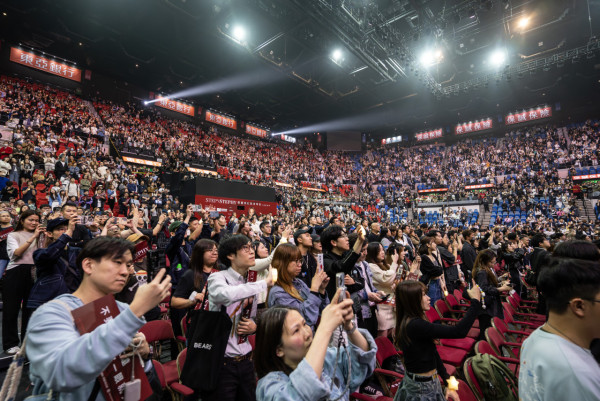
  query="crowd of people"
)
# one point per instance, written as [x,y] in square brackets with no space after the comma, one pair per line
[300,295]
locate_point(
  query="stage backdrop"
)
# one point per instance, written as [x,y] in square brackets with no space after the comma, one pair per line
[228,197]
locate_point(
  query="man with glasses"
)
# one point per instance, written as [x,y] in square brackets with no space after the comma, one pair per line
[338,258]
[230,288]
[556,361]
[266,236]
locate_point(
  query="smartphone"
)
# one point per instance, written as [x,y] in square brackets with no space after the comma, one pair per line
[320,262]
[214,215]
[339,283]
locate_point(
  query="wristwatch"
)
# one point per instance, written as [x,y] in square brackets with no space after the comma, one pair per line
[353,329]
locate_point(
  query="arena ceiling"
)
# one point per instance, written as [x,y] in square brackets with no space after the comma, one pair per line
[380,67]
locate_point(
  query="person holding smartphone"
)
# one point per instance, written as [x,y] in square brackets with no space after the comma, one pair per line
[18,278]
[292,364]
[485,277]
[416,337]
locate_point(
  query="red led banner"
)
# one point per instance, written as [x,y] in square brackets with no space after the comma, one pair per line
[586,177]
[44,64]
[479,186]
[221,120]
[252,130]
[425,136]
[175,106]
[470,127]
[424,191]
[531,115]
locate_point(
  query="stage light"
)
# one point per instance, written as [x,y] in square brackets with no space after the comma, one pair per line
[337,55]
[498,57]
[431,57]
[146,103]
[239,33]
[523,22]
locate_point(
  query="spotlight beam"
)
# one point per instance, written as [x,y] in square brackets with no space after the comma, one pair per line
[242,81]
[365,121]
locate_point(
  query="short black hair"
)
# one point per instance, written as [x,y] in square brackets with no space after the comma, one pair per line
[537,240]
[72,204]
[230,246]
[577,249]
[565,279]
[264,223]
[105,247]
[331,233]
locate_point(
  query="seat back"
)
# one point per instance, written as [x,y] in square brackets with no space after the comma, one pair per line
[432,315]
[442,308]
[508,316]
[181,361]
[483,347]
[452,302]
[158,330]
[500,325]
[495,339]
[459,297]
[385,349]
[160,373]
[184,325]
[472,380]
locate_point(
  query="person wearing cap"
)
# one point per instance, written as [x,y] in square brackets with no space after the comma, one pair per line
[304,242]
[316,248]
[55,264]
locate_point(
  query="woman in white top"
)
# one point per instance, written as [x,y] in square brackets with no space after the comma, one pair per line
[19,278]
[384,279]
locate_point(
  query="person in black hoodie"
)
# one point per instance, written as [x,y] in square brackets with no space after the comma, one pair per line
[338,257]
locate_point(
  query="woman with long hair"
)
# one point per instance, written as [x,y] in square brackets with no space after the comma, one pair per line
[18,278]
[432,270]
[292,364]
[485,277]
[385,277]
[290,291]
[416,337]
[191,288]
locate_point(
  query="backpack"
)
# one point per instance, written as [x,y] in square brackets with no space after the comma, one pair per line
[496,381]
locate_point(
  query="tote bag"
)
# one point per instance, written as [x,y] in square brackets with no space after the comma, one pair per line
[207,337]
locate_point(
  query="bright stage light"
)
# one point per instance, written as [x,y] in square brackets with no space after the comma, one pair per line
[431,57]
[239,33]
[337,55]
[498,57]
[523,22]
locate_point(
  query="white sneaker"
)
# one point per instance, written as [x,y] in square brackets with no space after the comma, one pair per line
[13,350]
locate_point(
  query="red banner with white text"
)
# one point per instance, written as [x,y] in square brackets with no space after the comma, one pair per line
[426,136]
[470,127]
[228,206]
[531,115]
[221,120]
[176,106]
[45,64]
[252,130]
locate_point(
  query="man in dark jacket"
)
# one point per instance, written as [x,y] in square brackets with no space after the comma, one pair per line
[468,254]
[539,258]
[81,234]
[338,257]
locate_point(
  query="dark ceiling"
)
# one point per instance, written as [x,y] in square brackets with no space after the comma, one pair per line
[172,45]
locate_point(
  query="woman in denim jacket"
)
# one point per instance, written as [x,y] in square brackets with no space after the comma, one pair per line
[293,365]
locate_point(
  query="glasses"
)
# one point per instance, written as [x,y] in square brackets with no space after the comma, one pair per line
[247,248]
[592,300]
[299,261]
[214,250]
